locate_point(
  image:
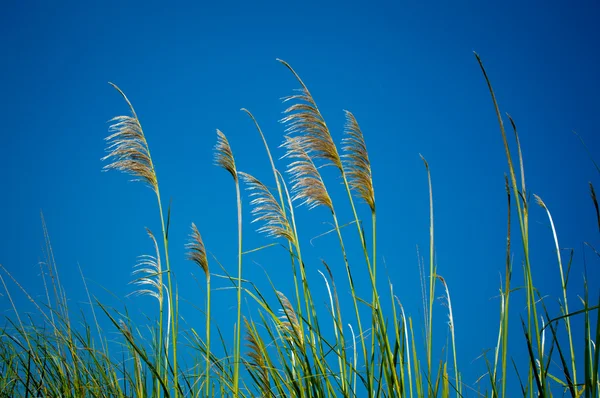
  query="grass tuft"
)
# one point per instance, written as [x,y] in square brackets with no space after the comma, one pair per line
[301,347]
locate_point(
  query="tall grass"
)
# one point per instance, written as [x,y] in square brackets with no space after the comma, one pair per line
[290,348]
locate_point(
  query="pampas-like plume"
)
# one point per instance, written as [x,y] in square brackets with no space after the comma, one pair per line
[289,320]
[127,147]
[358,167]
[224,155]
[196,250]
[304,119]
[266,208]
[307,184]
[148,274]
[257,361]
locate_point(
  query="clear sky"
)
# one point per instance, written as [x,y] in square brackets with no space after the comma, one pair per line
[405,69]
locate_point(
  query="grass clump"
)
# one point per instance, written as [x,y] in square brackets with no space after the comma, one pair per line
[290,348]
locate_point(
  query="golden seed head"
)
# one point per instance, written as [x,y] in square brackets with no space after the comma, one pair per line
[224,155]
[196,250]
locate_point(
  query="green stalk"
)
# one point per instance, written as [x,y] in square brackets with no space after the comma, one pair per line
[171,301]
[377,309]
[208,335]
[409,368]
[563,287]
[160,336]
[418,376]
[506,295]
[354,299]
[374,225]
[311,313]
[398,337]
[237,354]
[458,388]
[310,309]
[339,336]
[295,244]
[523,223]
[432,271]
[374,292]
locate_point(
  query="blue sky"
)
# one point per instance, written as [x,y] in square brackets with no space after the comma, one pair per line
[406,71]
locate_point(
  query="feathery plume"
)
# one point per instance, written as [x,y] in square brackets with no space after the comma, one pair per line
[266,208]
[257,361]
[196,250]
[224,155]
[289,320]
[357,164]
[148,274]
[307,184]
[304,119]
[128,149]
